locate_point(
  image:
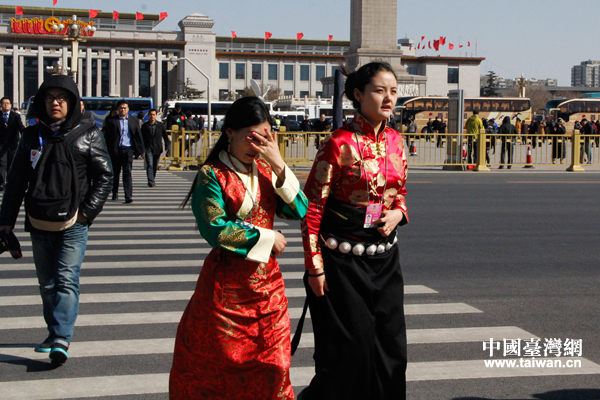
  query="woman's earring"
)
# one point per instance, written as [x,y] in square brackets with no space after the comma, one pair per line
[229,145]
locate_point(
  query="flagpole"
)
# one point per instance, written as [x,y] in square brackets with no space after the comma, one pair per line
[297,52]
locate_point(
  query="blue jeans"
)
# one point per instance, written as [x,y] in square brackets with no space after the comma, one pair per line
[151,164]
[58,257]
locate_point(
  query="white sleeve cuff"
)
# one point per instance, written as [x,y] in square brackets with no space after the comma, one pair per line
[290,188]
[261,251]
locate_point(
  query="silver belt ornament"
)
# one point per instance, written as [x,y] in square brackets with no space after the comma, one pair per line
[358,249]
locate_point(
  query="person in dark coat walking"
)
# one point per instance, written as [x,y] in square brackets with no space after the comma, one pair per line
[124,140]
[154,134]
[508,142]
[10,132]
[58,247]
[175,117]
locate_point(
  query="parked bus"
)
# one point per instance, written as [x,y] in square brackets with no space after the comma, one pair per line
[423,108]
[200,107]
[571,110]
[100,107]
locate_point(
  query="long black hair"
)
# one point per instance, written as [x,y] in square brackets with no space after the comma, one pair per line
[362,77]
[244,112]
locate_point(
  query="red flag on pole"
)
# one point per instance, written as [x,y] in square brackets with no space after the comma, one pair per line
[419,46]
[233,35]
[451,46]
[460,46]
[436,45]
[268,35]
[410,48]
[429,44]
[139,15]
[162,16]
[330,37]
[93,13]
[468,44]
[422,38]
[115,15]
[442,40]
[18,10]
[299,36]
[54,2]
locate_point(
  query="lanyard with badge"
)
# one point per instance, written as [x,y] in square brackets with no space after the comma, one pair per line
[374,211]
[37,154]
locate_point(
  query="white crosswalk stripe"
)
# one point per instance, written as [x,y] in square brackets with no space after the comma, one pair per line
[143,259]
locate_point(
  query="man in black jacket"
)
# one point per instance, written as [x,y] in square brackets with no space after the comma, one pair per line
[154,134]
[58,253]
[124,140]
[176,117]
[11,127]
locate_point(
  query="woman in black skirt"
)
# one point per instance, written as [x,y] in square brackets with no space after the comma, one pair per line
[354,283]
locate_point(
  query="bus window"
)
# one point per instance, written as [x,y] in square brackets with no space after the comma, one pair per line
[429,105]
[476,105]
[520,105]
[486,105]
[505,106]
[419,105]
[468,105]
[440,105]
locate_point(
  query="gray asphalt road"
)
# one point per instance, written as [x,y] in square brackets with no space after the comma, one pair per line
[502,255]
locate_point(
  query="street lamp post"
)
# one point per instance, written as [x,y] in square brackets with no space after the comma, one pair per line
[74,35]
[175,60]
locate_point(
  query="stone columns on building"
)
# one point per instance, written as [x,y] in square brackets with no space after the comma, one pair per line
[112,80]
[16,71]
[158,79]
[136,72]
[40,64]
[99,77]
[88,71]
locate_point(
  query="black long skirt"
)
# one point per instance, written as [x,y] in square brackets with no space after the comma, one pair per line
[359,327]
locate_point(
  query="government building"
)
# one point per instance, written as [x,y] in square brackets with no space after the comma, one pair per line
[129,57]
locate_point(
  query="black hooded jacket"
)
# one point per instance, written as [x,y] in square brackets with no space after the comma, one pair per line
[507,128]
[89,152]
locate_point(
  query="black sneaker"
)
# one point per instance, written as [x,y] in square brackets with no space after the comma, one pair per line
[59,354]
[45,346]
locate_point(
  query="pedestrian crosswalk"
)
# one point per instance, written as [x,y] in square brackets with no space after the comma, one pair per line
[140,270]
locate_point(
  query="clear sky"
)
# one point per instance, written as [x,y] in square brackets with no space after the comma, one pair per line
[538,38]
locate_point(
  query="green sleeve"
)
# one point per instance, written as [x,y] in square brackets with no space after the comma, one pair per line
[291,203]
[209,209]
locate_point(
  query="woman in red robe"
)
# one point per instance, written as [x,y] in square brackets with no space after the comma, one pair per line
[233,341]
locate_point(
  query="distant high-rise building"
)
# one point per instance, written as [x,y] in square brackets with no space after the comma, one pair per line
[586,74]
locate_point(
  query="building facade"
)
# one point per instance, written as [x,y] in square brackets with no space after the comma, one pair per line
[586,74]
[127,57]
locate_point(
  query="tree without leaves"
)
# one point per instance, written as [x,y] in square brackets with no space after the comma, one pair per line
[186,91]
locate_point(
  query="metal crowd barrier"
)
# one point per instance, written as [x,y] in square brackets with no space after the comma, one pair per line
[449,150]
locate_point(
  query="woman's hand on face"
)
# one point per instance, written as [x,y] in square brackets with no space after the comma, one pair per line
[279,244]
[318,284]
[390,221]
[267,147]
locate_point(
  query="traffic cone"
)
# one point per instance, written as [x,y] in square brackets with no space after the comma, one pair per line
[413,149]
[529,163]
[464,151]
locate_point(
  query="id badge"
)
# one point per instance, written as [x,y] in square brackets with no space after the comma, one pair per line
[373,214]
[35,157]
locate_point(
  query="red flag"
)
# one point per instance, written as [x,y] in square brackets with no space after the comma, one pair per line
[233,35]
[330,37]
[268,35]
[139,15]
[54,2]
[410,48]
[419,46]
[436,45]
[299,36]
[18,10]
[468,44]
[93,13]
[460,46]
[429,44]
[422,38]
[442,40]
[162,16]
[451,46]
[115,15]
